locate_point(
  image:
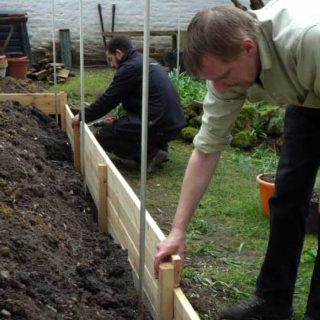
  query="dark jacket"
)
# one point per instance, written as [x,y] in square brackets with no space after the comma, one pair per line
[165,112]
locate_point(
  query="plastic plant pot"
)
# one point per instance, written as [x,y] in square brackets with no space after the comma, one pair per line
[266,186]
[266,190]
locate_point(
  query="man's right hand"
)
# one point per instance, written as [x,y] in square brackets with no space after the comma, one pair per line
[75,122]
[173,244]
[198,174]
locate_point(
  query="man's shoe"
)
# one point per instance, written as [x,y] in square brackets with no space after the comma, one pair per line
[255,308]
[131,164]
[156,161]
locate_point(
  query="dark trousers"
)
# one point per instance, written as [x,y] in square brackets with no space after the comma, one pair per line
[289,207]
[127,145]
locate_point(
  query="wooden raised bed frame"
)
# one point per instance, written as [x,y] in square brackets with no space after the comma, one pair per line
[118,211]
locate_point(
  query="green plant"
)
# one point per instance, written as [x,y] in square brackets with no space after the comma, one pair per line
[309,255]
[267,158]
[188,87]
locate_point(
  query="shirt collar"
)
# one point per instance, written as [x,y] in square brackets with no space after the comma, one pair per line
[264,53]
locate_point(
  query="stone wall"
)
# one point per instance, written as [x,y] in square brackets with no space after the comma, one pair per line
[129,15]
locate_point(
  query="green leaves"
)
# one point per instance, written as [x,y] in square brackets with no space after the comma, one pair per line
[188,87]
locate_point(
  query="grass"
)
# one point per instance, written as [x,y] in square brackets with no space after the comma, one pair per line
[95,82]
[228,235]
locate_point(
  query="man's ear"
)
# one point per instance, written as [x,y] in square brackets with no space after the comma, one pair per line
[249,45]
[119,54]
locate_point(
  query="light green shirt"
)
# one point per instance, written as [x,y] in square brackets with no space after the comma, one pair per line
[289,49]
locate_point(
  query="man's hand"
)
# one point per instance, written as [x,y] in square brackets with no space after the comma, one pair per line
[75,122]
[173,244]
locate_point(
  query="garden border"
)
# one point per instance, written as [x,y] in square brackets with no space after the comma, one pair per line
[119,211]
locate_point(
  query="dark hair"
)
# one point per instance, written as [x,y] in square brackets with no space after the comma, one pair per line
[122,43]
[218,31]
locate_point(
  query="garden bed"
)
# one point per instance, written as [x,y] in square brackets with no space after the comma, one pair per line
[118,206]
[54,263]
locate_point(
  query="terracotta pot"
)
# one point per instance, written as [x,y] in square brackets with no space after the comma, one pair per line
[3,66]
[18,67]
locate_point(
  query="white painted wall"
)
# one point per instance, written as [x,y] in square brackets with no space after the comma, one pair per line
[129,16]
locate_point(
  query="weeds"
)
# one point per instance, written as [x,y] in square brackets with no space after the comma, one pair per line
[188,87]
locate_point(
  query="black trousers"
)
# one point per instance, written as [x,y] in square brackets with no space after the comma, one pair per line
[289,207]
[127,145]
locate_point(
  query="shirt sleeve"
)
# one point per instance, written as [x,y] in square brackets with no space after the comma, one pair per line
[308,65]
[220,113]
[122,83]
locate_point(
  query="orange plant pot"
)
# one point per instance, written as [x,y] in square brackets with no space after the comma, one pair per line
[17,67]
[266,191]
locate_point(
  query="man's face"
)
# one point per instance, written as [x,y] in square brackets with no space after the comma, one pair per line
[114,58]
[241,72]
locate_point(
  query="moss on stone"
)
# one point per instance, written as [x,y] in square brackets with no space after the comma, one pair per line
[188,133]
[247,118]
[244,139]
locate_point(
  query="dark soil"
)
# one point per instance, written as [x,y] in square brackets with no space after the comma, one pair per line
[12,85]
[54,264]
[268,177]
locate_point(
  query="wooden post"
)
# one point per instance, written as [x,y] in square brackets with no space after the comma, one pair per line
[103,196]
[65,47]
[76,149]
[177,266]
[166,287]
[174,41]
[63,102]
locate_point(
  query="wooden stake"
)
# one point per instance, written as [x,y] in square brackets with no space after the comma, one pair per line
[103,196]
[63,103]
[76,149]
[166,287]
[177,265]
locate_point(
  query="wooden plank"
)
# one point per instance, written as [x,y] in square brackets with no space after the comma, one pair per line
[115,226]
[103,194]
[93,154]
[69,129]
[146,299]
[166,282]
[63,73]
[161,33]
[129,216]
[63,104]
[182,307]
[124,200]
[76,149]
[58,65]
[177,265]
[43,101]
[123,223]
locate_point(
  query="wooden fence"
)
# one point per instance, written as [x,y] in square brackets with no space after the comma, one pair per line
[119,211]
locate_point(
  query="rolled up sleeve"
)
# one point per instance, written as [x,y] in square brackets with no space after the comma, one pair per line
[220,113]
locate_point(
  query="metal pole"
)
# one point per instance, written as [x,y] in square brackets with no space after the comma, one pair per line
[178,40]
[144,144]
[82,105]
[54,63]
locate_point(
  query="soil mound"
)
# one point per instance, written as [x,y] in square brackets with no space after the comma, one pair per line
[13,85]
[54,264]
